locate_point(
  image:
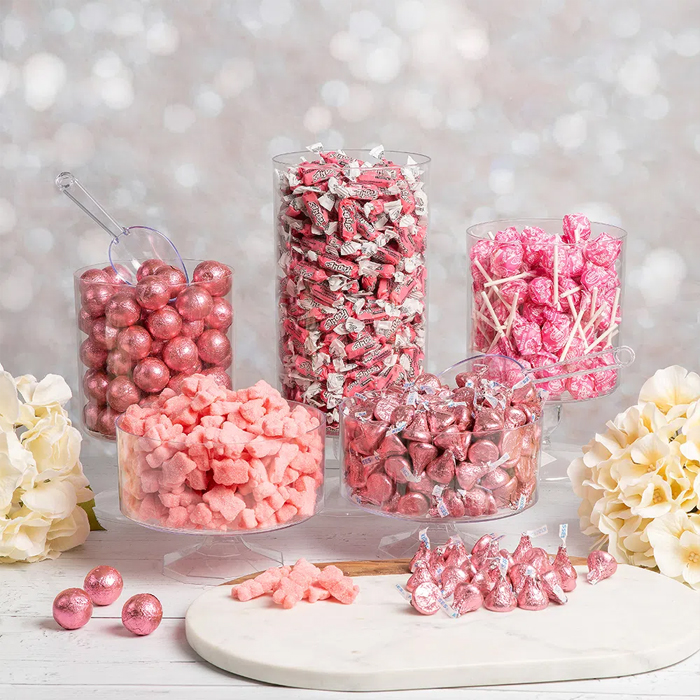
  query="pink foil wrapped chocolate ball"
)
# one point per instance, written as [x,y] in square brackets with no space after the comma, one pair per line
[213,276]
[135,342]
[213,347]
[150,267]
[175,279]
[221,315]
[95,385]
[122,310]
[119,363]
[153,292]
[118,275]
[142,614]
[106,422]
[103,585]
[180,354]
[92,355]
[164,324]
[93,276]
[72,608]
[194,304]
[192,329]
[91,414]
[151,375]
[121,393]
[95,297]
[104,334]
[220,375]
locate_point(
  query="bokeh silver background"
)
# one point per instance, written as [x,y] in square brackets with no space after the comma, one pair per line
[170,110]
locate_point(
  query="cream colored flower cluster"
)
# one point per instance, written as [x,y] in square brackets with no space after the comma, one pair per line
[41,478]
[640,480]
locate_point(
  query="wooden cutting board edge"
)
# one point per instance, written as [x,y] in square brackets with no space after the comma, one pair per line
[367,567]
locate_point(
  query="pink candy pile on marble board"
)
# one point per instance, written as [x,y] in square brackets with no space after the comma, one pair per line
[288,585]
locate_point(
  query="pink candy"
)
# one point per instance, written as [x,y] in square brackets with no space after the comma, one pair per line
[303,581]
[144,338]
[351,296]
[204,459]
[547,300]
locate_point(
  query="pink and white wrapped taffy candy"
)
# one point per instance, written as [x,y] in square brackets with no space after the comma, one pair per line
[546,292]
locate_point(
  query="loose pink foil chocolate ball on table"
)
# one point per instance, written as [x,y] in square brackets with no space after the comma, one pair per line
[103,584]
[136,340]
[142,614]
[434,453]
[351,241]
[72,608]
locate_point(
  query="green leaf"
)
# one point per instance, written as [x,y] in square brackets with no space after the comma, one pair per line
[89,508]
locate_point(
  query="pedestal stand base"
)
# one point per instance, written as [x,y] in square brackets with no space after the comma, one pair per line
[107,508]
[219,558]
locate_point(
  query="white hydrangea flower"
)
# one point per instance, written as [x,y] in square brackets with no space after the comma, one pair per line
[643,473]
[675,539]
[41,479]
[672,390]
[54,443]
[17,467]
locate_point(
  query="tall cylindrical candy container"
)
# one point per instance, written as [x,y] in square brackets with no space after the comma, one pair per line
[549,292]
[351,231]
[136,340]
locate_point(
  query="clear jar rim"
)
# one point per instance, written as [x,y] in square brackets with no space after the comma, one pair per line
[293,158]
[478,433]
[102,265]
[321,427]
[500,224]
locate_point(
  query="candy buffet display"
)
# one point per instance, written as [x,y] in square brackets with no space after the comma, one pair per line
[220,461]
[458,582]
[639,479]
[288,585]
[351,237]
[44,493]
[544,292]
[434,453]
[136,340]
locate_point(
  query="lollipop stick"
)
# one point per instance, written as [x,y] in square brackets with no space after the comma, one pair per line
[556,272]
[577,324]
[613,315]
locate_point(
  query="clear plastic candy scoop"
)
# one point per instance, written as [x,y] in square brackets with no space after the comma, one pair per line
[130,247]
[501,367]
[621,356]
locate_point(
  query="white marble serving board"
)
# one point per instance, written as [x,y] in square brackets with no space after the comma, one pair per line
[634,622]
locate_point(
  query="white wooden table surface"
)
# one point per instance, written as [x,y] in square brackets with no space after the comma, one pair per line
[39,660]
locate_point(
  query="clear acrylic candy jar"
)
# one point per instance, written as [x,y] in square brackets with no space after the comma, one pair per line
[433,460]
[550,295]
[222,487]
[351,230]
[134,341]
[228,492]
